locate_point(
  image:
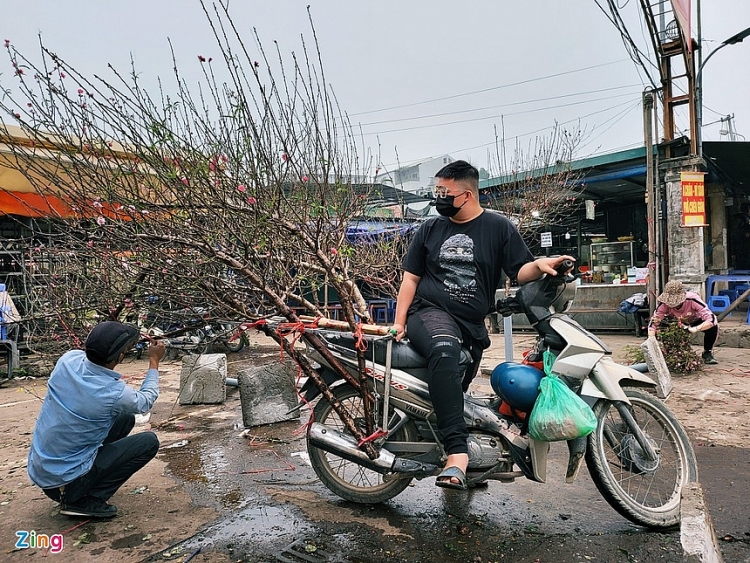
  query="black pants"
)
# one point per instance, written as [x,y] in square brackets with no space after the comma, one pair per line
[116,461]
[709,336]
[437,336]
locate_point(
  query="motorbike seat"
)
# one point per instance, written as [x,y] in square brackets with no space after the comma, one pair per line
[403,355]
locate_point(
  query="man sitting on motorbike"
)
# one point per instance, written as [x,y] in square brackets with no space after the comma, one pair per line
[451,271]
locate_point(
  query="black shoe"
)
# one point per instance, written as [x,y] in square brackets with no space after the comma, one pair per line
[90,507]
[709,359]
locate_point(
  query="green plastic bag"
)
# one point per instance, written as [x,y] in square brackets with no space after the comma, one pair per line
[559,414]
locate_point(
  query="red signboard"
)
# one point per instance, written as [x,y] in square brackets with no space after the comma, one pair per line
[693,199]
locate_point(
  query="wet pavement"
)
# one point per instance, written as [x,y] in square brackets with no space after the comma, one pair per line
[273,508]
[269,499]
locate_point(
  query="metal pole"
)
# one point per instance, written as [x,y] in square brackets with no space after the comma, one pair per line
[699,85]
[651,212]
[508,332]
[386,382]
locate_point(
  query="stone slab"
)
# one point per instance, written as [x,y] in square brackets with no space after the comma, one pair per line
[203,379]
[657,367]
[697,534]
[268,393]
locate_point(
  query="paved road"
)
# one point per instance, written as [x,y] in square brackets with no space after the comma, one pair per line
[273,512]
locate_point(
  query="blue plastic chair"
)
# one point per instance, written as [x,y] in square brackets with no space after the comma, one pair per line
[718,303]
[731,293]
[740,289]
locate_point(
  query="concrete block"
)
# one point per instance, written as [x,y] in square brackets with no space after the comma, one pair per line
[657,367]
[203,379]
[268,393]
[697,534]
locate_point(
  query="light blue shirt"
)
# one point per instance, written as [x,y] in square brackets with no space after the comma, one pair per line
[82,402]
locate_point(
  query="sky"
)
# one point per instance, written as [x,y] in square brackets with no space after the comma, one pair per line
[421,78]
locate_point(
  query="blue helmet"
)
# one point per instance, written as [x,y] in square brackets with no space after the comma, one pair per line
[517,384]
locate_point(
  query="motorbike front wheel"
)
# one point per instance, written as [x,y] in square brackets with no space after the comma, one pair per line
[645,491]
[345,478]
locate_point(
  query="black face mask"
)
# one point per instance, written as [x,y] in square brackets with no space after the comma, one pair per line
[444,206]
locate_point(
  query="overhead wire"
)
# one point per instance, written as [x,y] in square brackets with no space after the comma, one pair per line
[511,104]
[636,55]
[484,90]
[528,133]
[495,116]
[613,122]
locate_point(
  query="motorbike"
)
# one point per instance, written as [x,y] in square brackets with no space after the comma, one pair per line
[189,330]
[639,456]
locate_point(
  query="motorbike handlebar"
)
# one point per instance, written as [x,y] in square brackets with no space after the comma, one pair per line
[564,267]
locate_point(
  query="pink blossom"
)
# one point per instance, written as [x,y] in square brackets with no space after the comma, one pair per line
[101,220]
[62,74]
[7,42]
[305,178]
[184,180]
[144,212]
[284,156]
[80,91]
[97,204]
[334,251]
[251,200]
[90,243]
[201,58]
[241,188]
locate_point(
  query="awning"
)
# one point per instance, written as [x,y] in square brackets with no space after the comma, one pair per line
[370,231]
[26,204]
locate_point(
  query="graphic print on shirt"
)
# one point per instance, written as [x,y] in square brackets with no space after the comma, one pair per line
[457,260]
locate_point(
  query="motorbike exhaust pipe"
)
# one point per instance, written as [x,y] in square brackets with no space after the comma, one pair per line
[343,445]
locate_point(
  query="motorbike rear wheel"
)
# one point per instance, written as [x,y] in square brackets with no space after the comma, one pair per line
[225,330]
[644,491]
[345,478]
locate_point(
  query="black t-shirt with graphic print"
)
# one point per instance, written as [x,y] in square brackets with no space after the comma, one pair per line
[460,265]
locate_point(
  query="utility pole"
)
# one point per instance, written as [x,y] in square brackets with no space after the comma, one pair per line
[651,199]
[730,128]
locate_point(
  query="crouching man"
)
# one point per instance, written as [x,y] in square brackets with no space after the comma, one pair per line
[81,451]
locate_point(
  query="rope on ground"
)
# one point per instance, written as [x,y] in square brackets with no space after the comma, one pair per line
[288,466]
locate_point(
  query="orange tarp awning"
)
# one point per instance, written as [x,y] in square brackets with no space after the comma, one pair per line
[29,204]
